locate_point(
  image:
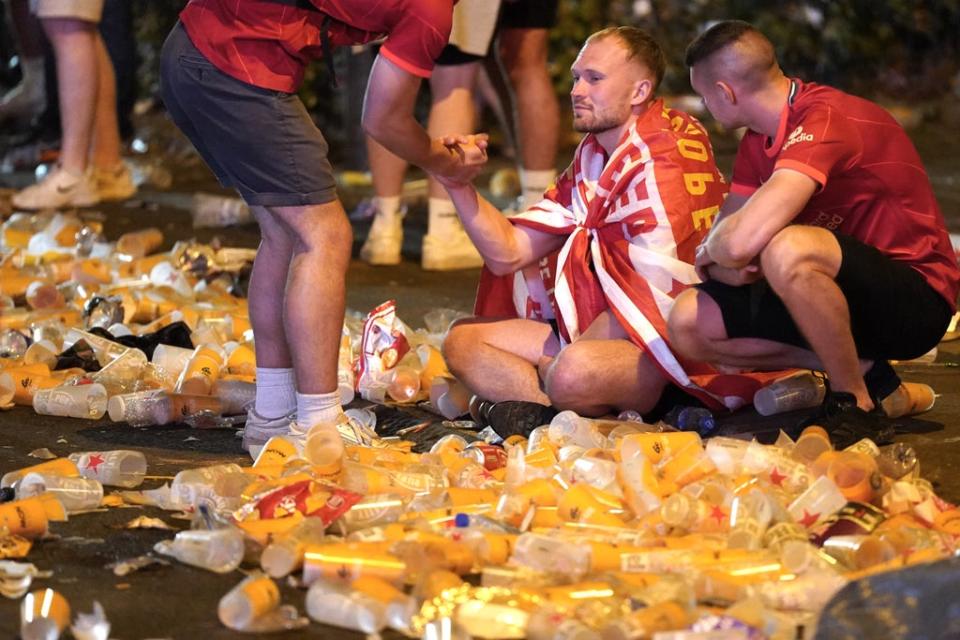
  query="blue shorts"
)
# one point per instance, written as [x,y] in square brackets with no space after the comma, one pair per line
[258,141]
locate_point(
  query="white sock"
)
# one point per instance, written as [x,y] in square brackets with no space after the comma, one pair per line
[313,408]
[533,184]
[442,220]
[276,392]
[387,208]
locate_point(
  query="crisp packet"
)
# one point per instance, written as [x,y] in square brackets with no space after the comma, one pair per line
[307,497]
[382,345]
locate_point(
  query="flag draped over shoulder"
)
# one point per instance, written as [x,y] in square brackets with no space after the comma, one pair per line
[632,223]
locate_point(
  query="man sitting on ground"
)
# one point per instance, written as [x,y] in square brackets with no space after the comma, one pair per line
[585,328]
[830,251]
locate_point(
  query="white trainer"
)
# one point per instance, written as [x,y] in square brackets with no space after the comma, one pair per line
[260,429]
[114,184]
[384,241]
[57,190]
[450,253]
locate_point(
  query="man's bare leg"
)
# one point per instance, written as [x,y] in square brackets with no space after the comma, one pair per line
[801,264]
[266,291]
[524,55]
[603,371]
[497,359]
[74,44]
[314,298]
[106,131]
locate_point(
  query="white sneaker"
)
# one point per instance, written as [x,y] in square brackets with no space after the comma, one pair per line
[59,189]
[450,252]
[354,426]
[114,184]
[259,429]
[383,243]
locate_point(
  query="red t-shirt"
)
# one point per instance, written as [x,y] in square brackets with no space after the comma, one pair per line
[873,186]
[268,44]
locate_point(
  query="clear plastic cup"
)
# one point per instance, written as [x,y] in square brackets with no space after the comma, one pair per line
[340,607]
[217,550]
[44,614]
[75,494]
[255,596]
[73,401]
[119,468]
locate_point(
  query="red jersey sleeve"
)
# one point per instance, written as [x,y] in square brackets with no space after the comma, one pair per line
[747,170]
[419,36]
[819,143]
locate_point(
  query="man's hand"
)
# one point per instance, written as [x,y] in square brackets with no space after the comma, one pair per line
[734,277]
[467,156]
[702,261]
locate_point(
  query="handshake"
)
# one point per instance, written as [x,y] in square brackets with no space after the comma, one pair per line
[465,157]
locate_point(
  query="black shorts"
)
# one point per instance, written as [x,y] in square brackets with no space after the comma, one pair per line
[528,14]
[452,56]
[260,142]
[894,313]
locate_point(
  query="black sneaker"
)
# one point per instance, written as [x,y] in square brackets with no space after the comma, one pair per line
[512,417]
[847,423]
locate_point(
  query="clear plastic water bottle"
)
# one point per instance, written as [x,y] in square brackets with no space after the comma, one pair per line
[692,419]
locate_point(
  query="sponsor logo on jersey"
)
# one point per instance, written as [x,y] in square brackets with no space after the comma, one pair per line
[796,136]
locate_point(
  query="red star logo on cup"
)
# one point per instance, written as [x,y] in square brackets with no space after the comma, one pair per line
[809,519]
[717,513]
[94,461]
[776,477]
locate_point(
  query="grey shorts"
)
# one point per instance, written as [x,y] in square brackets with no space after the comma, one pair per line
[258,141]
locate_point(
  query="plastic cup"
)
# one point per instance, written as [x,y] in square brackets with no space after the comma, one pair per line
[217,550]
[58,466]
[812,442]
[172,360]
[201,371]
[118,468]
[324,448]
[44,614]
[73,401]
[820,500]
[254,597]
[856,475]
[43,352]
[75,494]
[339,607]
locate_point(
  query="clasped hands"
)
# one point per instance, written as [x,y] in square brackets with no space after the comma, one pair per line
[467,155]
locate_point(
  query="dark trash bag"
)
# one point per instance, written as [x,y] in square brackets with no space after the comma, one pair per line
[919,603]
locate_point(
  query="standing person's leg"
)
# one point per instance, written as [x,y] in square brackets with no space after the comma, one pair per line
[112,176]
[28,98]
[446,245]
[385,238]
[523,49]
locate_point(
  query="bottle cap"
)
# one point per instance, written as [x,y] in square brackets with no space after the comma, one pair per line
[461,520]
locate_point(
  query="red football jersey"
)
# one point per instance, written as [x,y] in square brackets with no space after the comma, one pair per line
[268,44]
[873,186]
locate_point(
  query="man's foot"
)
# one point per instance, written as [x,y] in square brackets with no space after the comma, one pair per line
[59,189]
[450,253]
[260,429]
[384,241]
[114,184]
[352,427]
[847,423]
[511,417]
[881,381]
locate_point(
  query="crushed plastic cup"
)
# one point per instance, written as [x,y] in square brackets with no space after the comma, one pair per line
[340,606]
[217,550]
[75,494]
[87,401]
[44,614]
[119,468]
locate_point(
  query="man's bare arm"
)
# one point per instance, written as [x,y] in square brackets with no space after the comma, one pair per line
[388,117]
[505,247]
[737,239]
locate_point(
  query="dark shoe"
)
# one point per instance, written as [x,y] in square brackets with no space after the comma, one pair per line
[881,381]
[511,417]
[847,423]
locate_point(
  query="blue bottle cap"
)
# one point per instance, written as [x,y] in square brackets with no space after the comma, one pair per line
[461,520]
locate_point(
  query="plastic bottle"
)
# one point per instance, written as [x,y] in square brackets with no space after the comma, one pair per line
[235,396]
[338,606]
[696,419]
[546,553]
[157,408]
[373,510]
[119,468]
[73,401]
[219,211]
[799,391]
[217,550]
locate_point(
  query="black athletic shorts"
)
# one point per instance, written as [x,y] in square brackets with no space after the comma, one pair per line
[260,142]
[894,313]
[528,14]
[452,56]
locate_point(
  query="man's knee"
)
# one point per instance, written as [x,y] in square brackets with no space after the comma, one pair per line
[564,382]
[458,346]
[796,252]
[684,326]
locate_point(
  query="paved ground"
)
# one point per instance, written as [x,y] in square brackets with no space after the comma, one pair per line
[180,602]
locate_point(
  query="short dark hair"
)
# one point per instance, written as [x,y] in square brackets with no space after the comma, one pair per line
[715,38]
[639,44]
